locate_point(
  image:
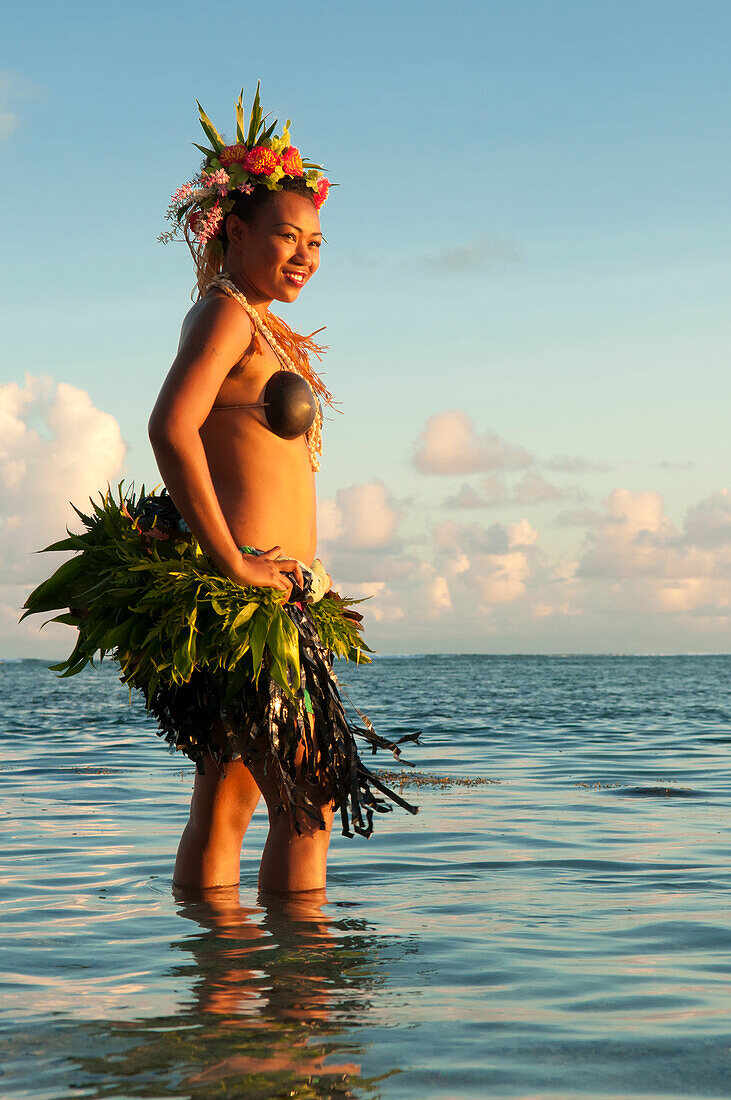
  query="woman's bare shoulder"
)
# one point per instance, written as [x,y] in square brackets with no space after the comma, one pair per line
[216,315]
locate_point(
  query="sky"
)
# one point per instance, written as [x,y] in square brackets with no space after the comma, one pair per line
[525,288]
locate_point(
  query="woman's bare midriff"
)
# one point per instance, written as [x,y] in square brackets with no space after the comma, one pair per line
[265,484]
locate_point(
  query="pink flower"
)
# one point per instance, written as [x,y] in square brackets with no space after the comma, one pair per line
[323,186]
[182,194]
[218,180]
[208,223]
[261,161]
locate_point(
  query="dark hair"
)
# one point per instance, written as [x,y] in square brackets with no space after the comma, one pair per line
[248,206]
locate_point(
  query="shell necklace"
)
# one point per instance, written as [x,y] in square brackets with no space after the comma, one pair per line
[313,437]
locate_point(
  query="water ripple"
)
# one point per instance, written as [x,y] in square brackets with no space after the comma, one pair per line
[559,933]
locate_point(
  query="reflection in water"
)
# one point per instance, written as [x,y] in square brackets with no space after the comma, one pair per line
[273,990]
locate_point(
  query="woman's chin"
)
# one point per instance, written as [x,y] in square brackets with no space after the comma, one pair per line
[288,294]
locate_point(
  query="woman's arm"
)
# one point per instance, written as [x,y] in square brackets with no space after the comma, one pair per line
[210,348]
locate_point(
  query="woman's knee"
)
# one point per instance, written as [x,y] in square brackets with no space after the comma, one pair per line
[312,809]
[225,796]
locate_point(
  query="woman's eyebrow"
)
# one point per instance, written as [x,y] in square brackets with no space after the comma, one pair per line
[317,232]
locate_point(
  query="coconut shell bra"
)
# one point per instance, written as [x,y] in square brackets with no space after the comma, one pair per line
[291,396]
[288,403]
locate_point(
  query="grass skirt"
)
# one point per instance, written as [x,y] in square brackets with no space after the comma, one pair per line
[224,669]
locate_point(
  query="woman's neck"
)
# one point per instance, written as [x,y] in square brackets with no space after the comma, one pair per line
[252,295]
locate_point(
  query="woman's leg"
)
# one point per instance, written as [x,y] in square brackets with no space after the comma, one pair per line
[221,808]
[292,861]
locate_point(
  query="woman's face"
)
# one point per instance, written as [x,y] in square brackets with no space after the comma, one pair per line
[279,251]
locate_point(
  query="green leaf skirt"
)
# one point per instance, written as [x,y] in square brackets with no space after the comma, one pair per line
[225,670]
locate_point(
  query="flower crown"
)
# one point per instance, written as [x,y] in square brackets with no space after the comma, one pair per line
[258,158]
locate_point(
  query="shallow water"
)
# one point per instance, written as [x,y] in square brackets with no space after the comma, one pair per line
[559,932]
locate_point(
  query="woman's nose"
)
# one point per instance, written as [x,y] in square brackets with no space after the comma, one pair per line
[301,254]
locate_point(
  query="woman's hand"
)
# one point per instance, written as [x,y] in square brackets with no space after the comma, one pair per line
[267,570]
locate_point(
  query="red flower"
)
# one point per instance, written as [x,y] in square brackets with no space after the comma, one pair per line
[323,186]
[194,221]
[292,162]
[233,154]
[261,161]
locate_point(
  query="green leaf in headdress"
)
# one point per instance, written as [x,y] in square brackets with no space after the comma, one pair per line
[254,119]
[210,130]
[240,118]
[267,133]
[255,122]
[207,153]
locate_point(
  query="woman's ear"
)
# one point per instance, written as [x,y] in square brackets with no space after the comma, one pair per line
[236,230]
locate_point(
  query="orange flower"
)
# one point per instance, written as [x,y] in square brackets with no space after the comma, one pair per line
[261,161]
[233,154]
[292,162]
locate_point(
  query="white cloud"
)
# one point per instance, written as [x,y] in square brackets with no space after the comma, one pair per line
[624,543]
[577,517]
[460,573]
[449,444]
[453,585]
[494,563]
[359,544]
[532,489]
[471,538]
[652,566]
[491,493]
[55,447]
[361,517]
[708,523]
[471,585]
[437,593]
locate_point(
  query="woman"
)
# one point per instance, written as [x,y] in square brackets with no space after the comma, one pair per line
[239,477]
[212,605]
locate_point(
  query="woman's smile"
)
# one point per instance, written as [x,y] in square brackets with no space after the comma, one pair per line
[296,278]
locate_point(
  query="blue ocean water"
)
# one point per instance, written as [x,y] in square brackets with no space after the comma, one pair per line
[559,931]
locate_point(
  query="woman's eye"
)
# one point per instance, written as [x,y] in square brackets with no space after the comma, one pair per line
[289,236]
[315,244]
